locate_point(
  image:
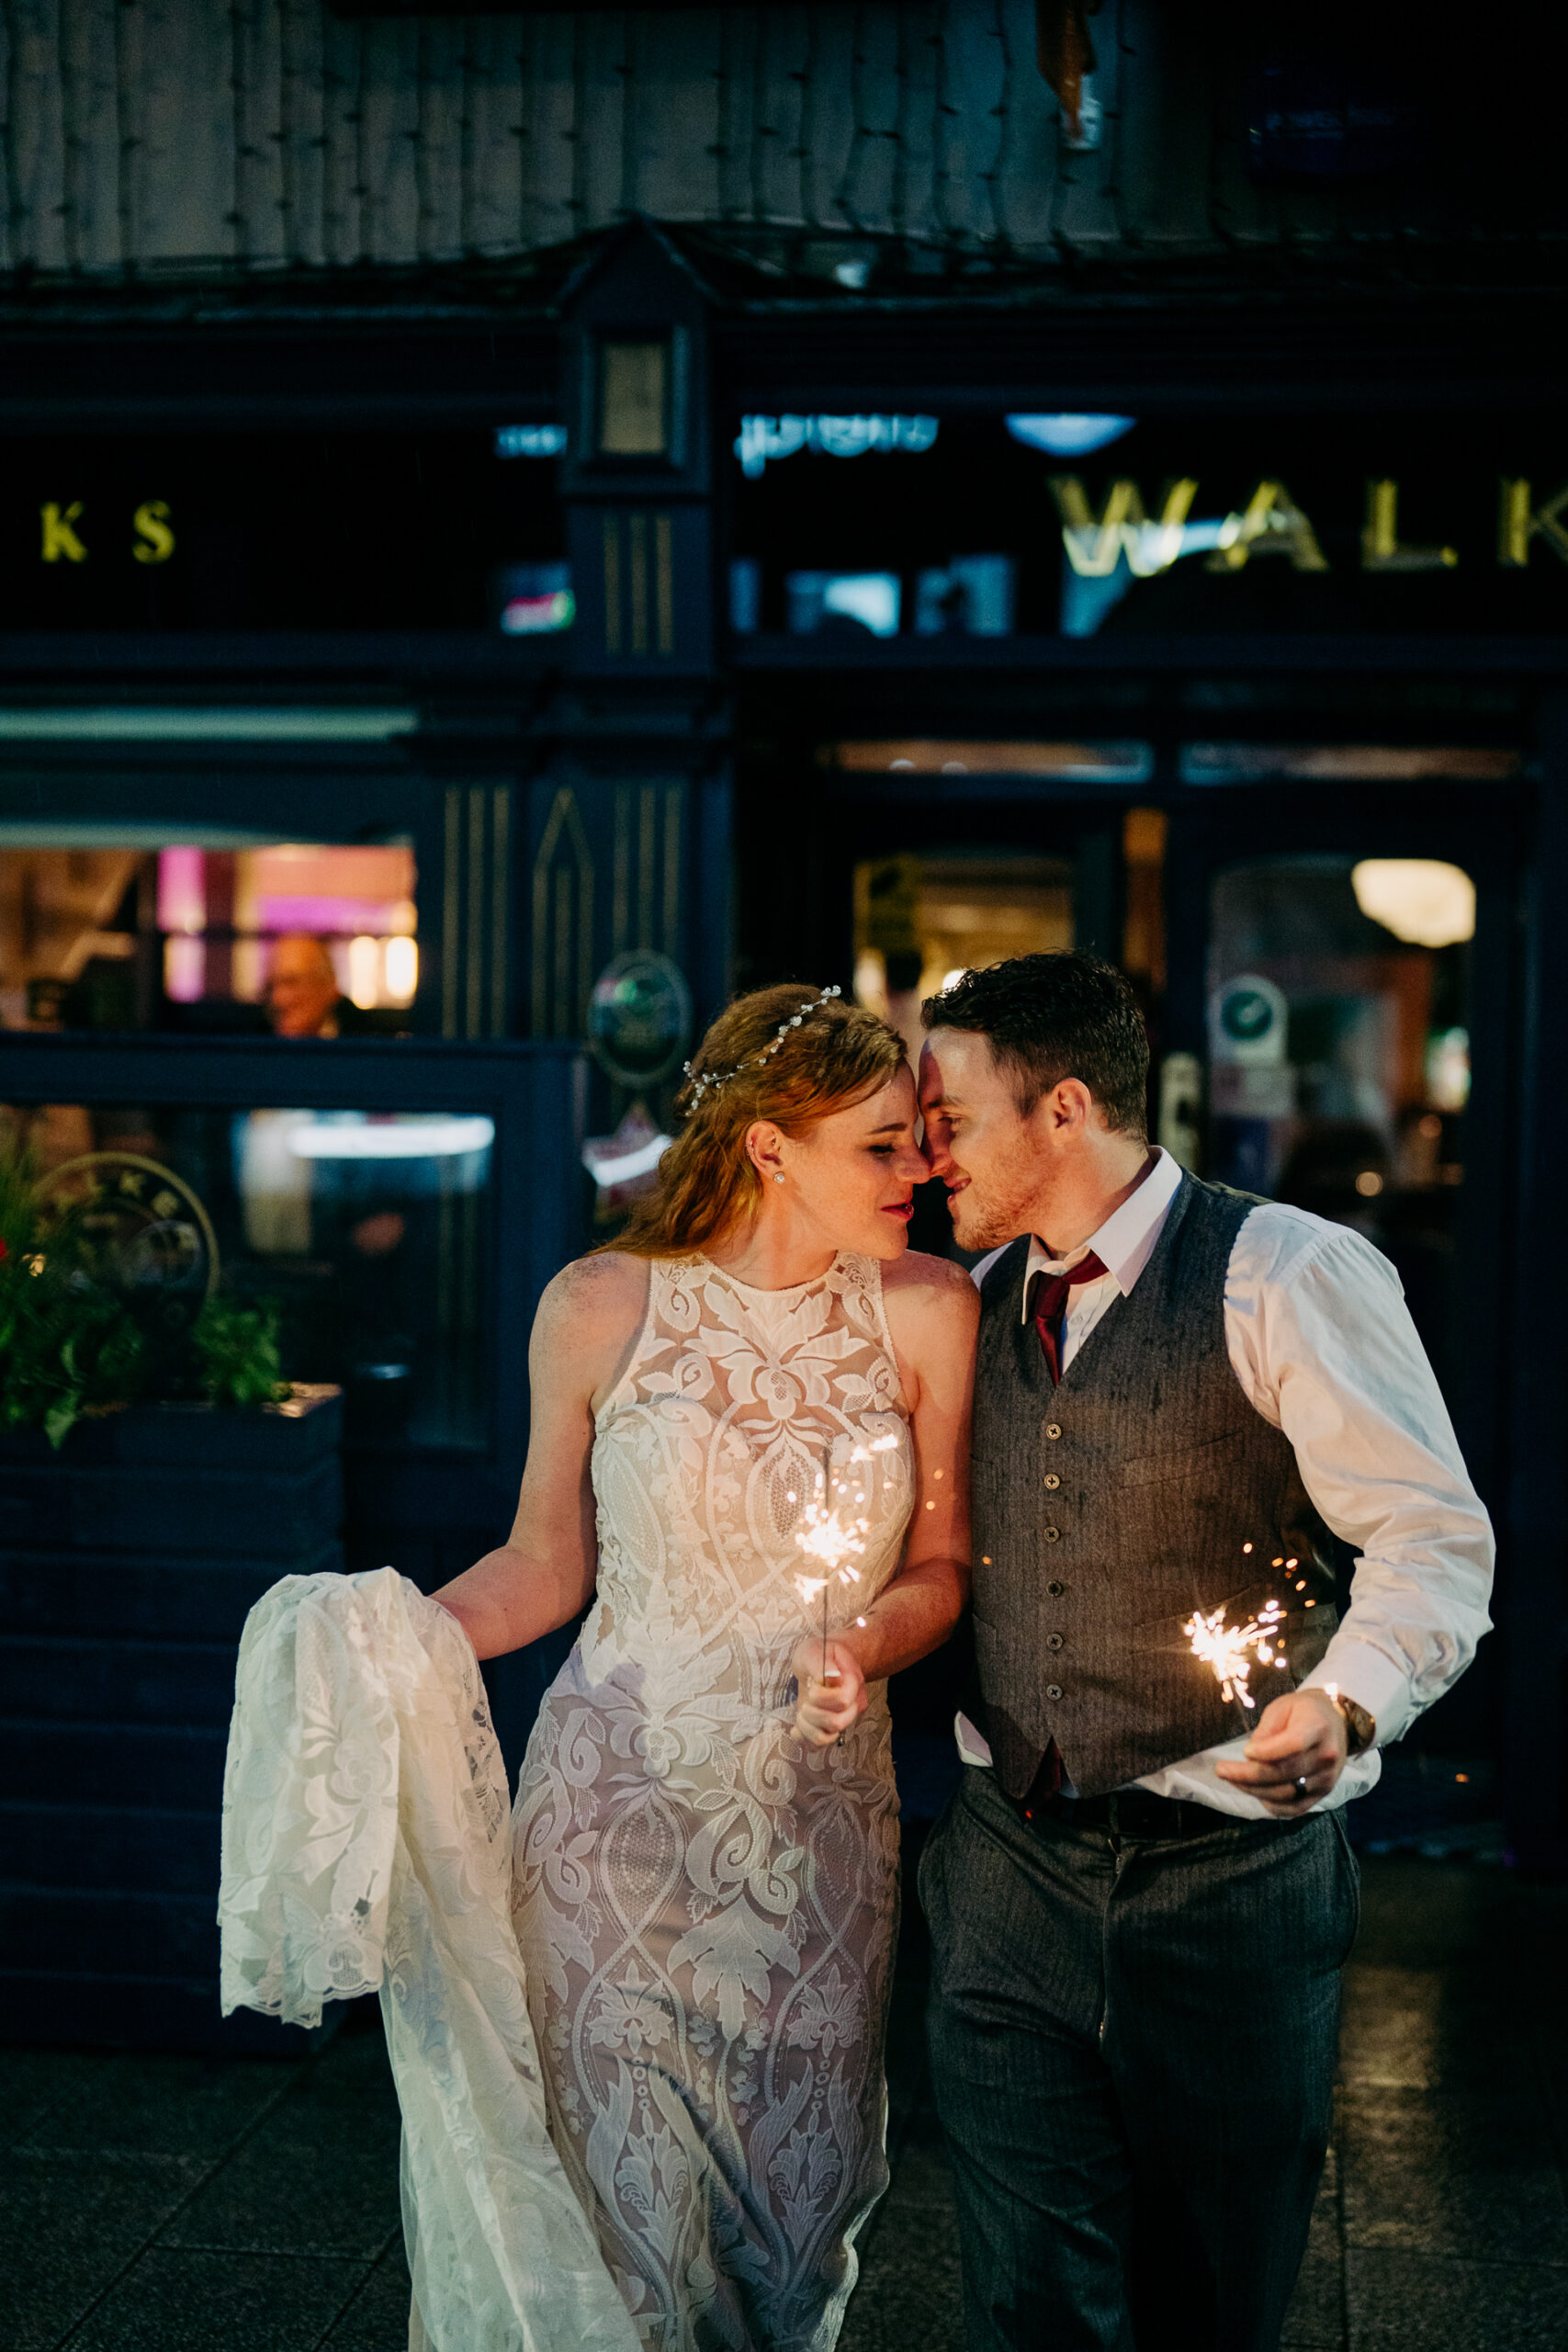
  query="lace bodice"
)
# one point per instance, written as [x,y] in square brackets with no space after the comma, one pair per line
[706,1453]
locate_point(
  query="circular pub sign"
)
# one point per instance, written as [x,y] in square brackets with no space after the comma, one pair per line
[148,1236]
[639,1017]
[1248,1020]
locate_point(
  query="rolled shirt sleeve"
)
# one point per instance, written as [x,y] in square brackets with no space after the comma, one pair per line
[1322,1342]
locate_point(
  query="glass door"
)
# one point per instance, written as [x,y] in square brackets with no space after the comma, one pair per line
[1340,1026]
[1340,1031]
[958,853]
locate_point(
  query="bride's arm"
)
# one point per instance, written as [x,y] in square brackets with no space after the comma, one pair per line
[933,1312]
[543,1575]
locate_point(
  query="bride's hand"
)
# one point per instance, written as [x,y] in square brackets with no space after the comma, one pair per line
[827,1707]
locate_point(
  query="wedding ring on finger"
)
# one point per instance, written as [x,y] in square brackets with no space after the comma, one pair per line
[1300,1786]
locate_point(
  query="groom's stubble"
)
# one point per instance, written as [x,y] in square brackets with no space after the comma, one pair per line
[997,1206]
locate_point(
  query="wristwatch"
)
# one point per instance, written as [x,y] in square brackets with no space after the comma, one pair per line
[1360,1727]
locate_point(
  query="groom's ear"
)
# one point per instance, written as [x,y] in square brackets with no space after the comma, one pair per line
[1067,1105]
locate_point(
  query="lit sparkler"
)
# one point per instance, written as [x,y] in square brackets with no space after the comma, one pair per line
[834,1534]
[833,1541]
[1226,1648]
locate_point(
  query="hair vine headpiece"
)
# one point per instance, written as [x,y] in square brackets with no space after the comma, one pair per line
[708,1082]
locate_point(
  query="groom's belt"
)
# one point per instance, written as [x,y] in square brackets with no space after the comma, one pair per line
[1130,1813]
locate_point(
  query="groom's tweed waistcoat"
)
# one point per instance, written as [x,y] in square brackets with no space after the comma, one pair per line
[1109,1509]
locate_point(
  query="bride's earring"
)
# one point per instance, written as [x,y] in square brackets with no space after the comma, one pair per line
[778,1179]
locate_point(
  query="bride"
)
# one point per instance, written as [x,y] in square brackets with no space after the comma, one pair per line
[706,1881]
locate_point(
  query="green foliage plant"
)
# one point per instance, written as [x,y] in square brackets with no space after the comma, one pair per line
[69,1348]
[237,1352]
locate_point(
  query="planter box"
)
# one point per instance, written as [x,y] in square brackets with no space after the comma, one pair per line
[129,1562]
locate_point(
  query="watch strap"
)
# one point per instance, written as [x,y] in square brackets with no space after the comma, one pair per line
[1361,1726]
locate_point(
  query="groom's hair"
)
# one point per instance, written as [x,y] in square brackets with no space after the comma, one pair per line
[1051,1017]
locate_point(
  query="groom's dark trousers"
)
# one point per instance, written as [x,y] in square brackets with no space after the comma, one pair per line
[1133,2037]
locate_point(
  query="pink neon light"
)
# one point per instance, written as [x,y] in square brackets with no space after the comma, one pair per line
[184,968]
[182,889]
[318,912]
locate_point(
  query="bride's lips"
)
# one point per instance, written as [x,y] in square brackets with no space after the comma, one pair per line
[902,1209]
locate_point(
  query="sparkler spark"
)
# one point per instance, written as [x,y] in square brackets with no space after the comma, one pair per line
[1225,1648]
[832,1538]
[833,1542]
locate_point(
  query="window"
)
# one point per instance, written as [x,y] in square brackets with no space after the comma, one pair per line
[368,1231]
[1339,1049]
[633,400]
[310,939]
[919,921]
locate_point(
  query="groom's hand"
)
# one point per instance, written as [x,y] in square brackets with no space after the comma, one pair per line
[1302,1737]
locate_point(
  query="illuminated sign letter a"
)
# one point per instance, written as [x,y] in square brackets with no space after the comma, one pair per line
[1272,523]
[58,537]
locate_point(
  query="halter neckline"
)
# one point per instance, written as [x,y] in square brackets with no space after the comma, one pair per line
[761,1290]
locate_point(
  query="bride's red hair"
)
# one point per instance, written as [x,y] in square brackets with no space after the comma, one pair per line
[840,1054]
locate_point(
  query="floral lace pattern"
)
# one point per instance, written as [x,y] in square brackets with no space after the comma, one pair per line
[705,1905]
[364,1848]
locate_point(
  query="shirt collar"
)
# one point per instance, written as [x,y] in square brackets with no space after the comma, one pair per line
[1125,1243]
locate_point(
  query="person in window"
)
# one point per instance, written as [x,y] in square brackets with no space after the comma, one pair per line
[302,995]
[303,998]
[293,1207]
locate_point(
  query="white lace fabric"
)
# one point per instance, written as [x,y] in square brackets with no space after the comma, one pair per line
[702,1906]
[707,1905]
[364,1849]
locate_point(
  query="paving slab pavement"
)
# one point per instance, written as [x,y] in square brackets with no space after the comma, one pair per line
[242,2205]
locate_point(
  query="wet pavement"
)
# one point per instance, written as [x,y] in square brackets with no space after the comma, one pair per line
[240,2205]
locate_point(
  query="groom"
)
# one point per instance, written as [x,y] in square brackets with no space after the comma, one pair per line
[1142,1896]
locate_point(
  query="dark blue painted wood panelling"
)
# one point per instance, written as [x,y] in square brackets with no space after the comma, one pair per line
[107,1593]
[154,1849]
[117,1681]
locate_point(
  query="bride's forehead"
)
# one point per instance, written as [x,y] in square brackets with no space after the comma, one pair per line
[891,1103]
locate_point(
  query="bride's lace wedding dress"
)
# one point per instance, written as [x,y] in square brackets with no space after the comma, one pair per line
[706,1904]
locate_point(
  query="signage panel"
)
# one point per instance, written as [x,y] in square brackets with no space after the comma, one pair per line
[1203,525]
[290,531]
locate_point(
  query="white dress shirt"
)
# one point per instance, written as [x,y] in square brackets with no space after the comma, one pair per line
[1321,1340]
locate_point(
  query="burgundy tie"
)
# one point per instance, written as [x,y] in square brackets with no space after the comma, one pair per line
[1051,1307]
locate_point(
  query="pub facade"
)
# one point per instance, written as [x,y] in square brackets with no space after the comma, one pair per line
[582,511]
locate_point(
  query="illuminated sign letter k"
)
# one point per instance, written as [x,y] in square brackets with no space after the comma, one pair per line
[58,537]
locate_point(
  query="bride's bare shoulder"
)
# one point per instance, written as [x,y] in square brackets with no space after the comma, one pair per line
[595,1300]
[931,1287]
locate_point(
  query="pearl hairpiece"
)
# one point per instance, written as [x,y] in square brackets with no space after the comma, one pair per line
[707,1081]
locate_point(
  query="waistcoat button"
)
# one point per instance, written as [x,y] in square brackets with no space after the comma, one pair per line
[1051,1479]
[1055,1589]
[1052,1689]
[1053,1641]
[1053,1535]
[1052,1429]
